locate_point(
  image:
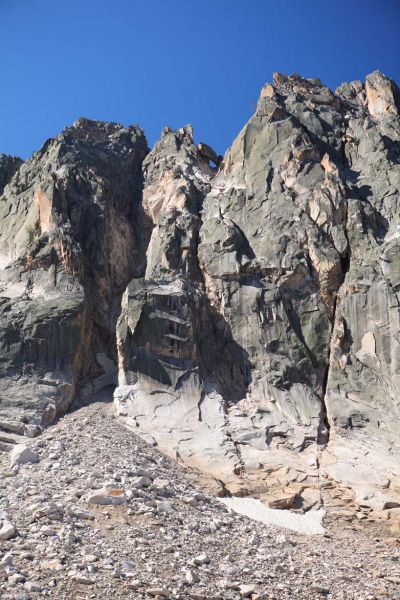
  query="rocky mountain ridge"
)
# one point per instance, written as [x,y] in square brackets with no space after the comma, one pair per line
[252,306]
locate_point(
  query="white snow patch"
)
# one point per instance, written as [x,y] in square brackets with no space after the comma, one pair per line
[309,523]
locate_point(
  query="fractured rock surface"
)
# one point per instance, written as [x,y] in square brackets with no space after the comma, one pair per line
[72,235]
[283,354]
[252,306]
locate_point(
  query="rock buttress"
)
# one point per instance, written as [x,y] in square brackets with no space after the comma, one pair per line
[72,236]
[267,322]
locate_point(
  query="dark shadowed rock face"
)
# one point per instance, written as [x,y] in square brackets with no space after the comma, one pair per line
[73,234]
[8,166]
[258,336]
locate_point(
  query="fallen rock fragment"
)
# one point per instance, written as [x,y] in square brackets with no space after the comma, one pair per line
[22,455]
[107,496]
[246,590]
[320,589]
[7,529]
[83,579]
[32,586]
[142,481]
[202,559]
[51,565]
[158,591]
[191,576]
[283,502]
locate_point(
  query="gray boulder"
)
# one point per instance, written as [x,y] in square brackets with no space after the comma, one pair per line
[22,455]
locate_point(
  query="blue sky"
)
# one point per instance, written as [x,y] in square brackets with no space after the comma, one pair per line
[159,62]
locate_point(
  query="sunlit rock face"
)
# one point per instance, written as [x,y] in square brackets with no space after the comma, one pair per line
[262,346]
[363,386]
[178,363]
[248,309]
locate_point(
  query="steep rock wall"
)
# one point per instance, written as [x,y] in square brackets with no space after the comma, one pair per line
[252,305]
[73,234]
[285,365]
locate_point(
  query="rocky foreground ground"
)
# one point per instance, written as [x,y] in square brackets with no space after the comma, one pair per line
[163,536]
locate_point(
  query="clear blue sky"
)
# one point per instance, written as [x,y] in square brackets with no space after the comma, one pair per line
[159,62]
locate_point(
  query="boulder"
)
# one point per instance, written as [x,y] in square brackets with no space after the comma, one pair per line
[21,455]
[107,496]
[7,529]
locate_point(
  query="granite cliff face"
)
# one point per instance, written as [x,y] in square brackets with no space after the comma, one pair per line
[252,306]
[72,235]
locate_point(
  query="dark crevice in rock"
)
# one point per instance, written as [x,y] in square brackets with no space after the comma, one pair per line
[199,405]
[345,260]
